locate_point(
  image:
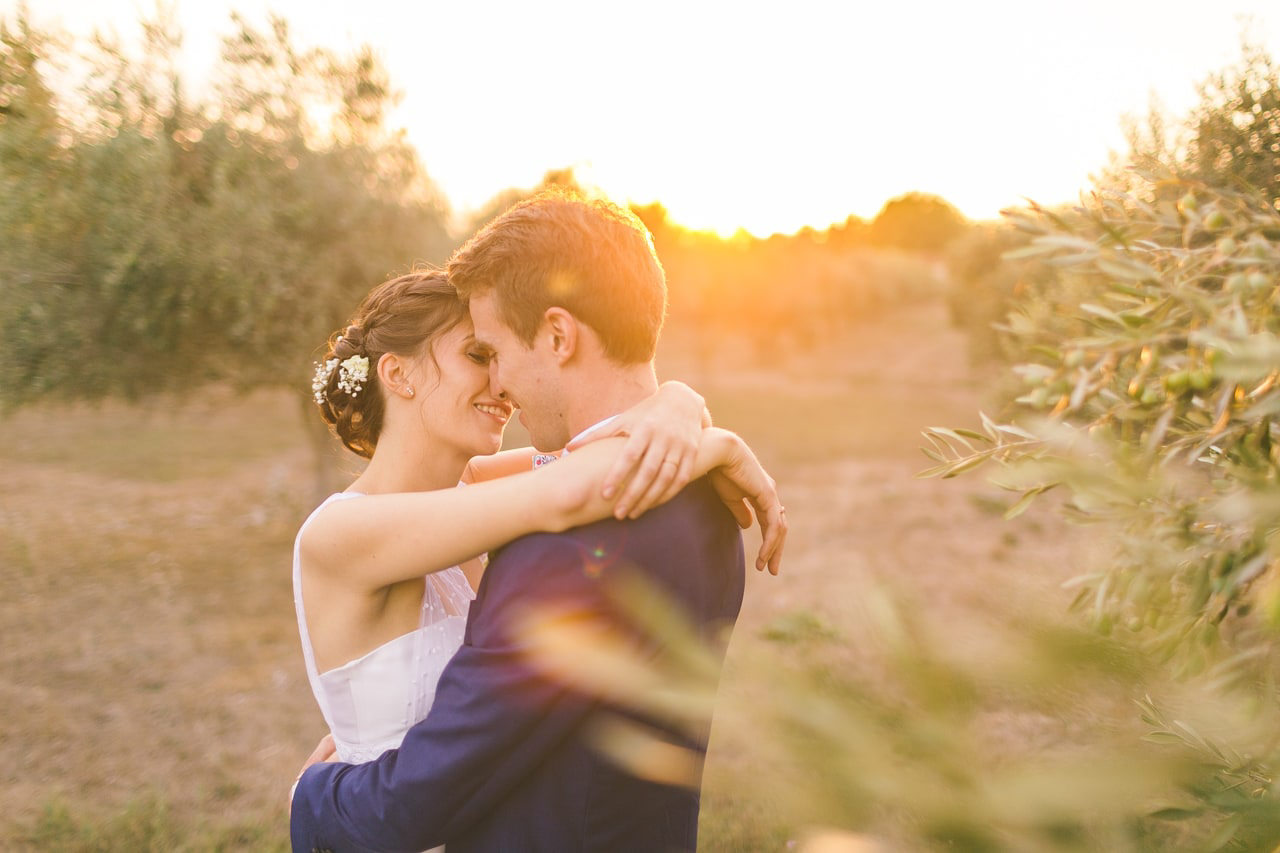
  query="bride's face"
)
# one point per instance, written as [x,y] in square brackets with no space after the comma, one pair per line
[457,406]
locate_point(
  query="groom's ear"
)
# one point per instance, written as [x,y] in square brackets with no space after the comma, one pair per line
[563,329]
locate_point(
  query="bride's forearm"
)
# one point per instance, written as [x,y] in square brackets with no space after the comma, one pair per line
[576,497]
[377,540]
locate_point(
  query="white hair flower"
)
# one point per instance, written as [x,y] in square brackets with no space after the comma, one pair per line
[320,381]
[353,373]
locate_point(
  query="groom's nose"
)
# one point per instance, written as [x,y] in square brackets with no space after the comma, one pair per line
[495,387]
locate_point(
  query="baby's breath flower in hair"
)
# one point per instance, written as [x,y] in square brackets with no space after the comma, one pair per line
[353,373]
[320,380]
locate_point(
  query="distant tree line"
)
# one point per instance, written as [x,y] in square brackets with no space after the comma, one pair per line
[152,240]
[789,289]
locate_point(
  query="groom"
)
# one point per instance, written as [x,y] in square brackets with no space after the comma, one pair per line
[568,297]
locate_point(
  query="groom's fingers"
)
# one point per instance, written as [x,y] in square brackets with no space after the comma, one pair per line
[324,751]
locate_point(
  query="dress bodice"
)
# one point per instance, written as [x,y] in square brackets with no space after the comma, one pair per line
[371,702]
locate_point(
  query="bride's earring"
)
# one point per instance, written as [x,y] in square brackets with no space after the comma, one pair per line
[408,389]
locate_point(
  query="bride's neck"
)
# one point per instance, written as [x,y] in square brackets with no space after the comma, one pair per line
[403,466]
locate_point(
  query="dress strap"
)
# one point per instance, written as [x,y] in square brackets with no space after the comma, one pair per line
[308,653]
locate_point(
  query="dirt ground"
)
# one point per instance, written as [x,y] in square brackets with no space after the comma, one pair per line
[152,685]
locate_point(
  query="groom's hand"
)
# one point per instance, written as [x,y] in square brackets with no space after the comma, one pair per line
[325,750]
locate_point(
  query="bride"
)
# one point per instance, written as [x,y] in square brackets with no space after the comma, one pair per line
[384,572]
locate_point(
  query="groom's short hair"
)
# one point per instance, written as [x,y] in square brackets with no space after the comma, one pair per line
[590,257]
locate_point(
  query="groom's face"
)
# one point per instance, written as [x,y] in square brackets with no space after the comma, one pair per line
[527,374]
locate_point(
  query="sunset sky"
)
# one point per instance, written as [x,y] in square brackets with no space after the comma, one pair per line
[762,116]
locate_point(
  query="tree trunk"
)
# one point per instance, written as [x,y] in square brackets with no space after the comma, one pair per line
[324,480]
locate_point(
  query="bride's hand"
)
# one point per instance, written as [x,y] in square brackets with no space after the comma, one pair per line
[743,482]
[663,436]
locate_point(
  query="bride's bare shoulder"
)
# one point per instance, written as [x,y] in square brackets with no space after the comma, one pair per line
[328,525]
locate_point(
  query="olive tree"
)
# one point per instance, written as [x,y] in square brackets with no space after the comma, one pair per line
[151,241]
[1150,397]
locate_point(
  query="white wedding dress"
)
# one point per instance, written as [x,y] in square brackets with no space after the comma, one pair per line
[371,702]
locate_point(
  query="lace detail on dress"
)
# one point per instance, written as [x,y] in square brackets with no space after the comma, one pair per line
[358,754]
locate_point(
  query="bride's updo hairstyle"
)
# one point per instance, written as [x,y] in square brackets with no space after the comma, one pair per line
[402,316]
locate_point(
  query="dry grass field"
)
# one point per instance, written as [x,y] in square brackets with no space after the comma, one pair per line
[153,691]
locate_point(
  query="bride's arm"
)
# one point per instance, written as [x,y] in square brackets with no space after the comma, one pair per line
[504,463]
[663,431]
[377,540]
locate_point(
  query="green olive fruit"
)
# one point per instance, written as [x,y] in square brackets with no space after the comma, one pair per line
[1226,246]
[1215,220]
[1237,282]
[1259,281]
[1177,381]
[1199,380]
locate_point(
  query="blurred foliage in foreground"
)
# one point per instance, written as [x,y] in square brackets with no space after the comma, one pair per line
[1149,344]
[893,738]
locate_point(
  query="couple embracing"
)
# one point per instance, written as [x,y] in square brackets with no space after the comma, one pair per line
[443,730]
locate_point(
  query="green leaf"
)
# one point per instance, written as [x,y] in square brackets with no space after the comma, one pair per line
[1022,504]
[1225,833]
[967,465]
[1176,814]
[1099,311]
[950,433]
[1027,252]
[1128,268]
[1066,241]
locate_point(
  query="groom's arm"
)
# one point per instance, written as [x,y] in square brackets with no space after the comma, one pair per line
[494,719]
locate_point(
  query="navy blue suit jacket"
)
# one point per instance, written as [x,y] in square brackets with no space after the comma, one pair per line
[504,761]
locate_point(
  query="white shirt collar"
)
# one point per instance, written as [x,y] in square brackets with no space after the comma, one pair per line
[598,425]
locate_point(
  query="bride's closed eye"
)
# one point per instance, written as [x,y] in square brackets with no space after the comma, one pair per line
[480,358]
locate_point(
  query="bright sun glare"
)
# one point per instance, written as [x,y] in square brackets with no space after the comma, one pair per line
[763,118]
